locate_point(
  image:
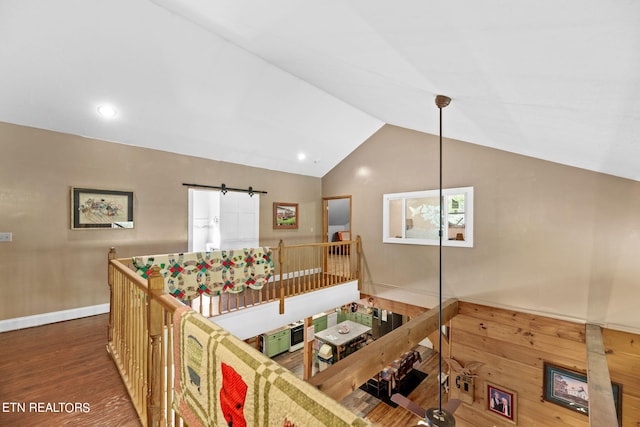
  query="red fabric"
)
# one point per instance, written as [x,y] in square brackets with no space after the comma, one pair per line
[232,397]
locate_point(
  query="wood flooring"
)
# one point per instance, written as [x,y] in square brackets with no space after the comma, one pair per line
[61,375]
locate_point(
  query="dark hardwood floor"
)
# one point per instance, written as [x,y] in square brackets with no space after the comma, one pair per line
[61,375]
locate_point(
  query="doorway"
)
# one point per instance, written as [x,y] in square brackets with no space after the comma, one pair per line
[223,221]
[336,216]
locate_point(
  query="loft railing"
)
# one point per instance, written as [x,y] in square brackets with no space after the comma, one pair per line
[140,336]
[310,267]
[298,269]
[140,332]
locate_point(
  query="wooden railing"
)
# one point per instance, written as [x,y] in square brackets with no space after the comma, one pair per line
[298,269]
[310,267]
[140,341]
[140,333]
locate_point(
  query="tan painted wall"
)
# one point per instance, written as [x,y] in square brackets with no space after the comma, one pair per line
[49,267]
[513,347]
[548,238]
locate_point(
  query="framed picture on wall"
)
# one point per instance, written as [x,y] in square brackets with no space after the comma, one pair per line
[92,209]
[501,402]
[285,215]
[568,388]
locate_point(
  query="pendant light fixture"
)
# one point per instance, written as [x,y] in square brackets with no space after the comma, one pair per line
[438,416]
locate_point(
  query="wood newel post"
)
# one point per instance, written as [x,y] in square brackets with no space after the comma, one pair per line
[110,256]
[307,358]
[280,285]
[155,327]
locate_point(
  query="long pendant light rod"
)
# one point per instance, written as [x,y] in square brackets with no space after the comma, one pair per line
[441,418]
[223,188]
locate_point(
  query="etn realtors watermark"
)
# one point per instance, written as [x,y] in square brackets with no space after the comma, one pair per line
[46,407]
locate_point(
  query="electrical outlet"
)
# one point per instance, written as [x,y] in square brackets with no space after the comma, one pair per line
[6,237]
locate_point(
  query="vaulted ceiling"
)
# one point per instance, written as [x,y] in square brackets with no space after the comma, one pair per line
[260,82]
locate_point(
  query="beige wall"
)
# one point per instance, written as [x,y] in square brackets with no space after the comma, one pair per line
[548,238]
[49,267]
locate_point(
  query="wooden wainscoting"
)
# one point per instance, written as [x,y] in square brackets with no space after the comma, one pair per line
[514,346]
[623,357]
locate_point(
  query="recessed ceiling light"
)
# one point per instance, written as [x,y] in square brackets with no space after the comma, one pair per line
[107,111]
[302,156]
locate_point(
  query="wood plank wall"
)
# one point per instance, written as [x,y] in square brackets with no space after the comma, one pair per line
[623,358]
[514,345]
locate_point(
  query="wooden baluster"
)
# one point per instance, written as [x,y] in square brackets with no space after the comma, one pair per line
[320,264]
[313,274]
[313,267]
[306,271]
[296,270]
[296,286]
[318,268]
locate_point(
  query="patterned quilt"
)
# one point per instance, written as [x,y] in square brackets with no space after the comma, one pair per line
[221,380]
[189,275]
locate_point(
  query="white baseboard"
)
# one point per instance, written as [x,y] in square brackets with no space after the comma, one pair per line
[53,317]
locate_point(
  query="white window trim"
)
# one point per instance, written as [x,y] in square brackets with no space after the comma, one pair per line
[468,211]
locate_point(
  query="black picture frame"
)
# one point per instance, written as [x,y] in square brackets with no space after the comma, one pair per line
[568,388]
[98,209]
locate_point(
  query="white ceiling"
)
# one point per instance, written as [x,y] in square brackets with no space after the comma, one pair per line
[256,82]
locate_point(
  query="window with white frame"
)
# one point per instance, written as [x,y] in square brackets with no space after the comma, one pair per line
[414,218]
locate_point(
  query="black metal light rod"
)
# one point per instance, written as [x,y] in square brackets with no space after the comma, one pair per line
[224,188]
[441,102]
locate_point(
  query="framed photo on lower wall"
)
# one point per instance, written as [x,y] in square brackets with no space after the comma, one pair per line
[501,401]
[92,209]
[568,388]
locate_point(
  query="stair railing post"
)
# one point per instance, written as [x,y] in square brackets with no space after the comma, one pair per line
[281,284]
[358,261]
[155,326]
[110,256]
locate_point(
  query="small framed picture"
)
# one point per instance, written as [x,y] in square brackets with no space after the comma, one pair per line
[502,402]
[568,388]
[91,209]
[285,215]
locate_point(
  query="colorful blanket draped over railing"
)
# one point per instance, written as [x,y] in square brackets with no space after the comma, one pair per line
[221,380]
[189,275]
